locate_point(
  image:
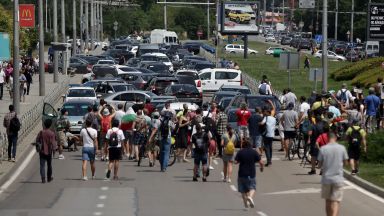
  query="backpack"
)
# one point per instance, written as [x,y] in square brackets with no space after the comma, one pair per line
[230,147]
[62,123]
[164,126]
[263,89]
[113,139]
[105,124]
[209,123]
[355,137]
[14,124]
[200,142]
[343,96]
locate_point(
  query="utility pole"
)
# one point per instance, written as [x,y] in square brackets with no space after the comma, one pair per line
[325,45]
[101,22]
[208,23]
[81,26]
[41,50]
[352,18]
[165,15]
[264,14]
[95,6]
[273,13]
[217,33]
[284,13]
[16,61]
[46,15]
[86,24]
[92,25]
[336,17]
[63,21]
[74,42]
[55,39]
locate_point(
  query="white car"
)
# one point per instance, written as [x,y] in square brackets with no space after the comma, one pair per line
[270,38]
[106,62]
[235,48]
[80,93]
[271,50]
[213,79]
[160,57]
[331,56]
[77,41]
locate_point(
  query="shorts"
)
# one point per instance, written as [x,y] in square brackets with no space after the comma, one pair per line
[354,153]
[243,131]
[114,153]
[61,138]
[200,158]
[244,184]
[153,146]
[314,151]
[289,135]
[228,158]
[281,133]
[140,139]
[88,154]
[333,192]
[257,141]
[128,137]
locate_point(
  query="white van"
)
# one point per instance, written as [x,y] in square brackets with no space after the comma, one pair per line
[161,36]
[371,47]
[213,79]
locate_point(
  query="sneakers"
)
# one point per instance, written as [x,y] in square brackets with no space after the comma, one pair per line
[195,179]
[224,180]
[211,168]
[312,172]
[185,161]
[50,179]
[13,160]
[204,179]
[250,201]
[108,175]
[61,157]
[229,180]
[85,178]
[354,172]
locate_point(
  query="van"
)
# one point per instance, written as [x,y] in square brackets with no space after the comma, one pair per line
[161,36]
[213,79]
[372,48]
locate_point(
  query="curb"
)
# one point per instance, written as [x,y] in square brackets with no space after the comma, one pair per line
[364,184]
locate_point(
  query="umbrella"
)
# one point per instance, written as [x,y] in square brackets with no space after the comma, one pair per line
[128,119]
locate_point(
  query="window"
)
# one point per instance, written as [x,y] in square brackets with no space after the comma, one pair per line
[369,47]
[223,75]
[140,97]
[75,61]
[230,46]
[205,76]
[127,97]
[236,47]
[232,75]
[375,47]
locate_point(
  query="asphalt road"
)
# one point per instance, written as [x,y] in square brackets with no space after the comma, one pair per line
[283,189]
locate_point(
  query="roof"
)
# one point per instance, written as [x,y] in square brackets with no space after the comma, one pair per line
[154,54]
[73,88]
[166,78]
[234,87]
[226,93]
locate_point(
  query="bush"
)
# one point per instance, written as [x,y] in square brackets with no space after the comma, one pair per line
[351,71]
[375,148]
[369,77]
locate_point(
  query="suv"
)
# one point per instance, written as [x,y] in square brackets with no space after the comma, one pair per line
[270,38]
[235,48]
[213,79]
[158,84]
[239,17]
[253,101]
[106,88]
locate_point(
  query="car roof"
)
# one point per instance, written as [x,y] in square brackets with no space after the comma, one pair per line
[220,69]
[118,83]
[80,87]
[186,70]
[154,54]
[226,93]
[234,87]
[166,78]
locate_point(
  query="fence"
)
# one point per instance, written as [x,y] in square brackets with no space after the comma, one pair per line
[32,116]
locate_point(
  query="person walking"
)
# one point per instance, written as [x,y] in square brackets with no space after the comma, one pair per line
[166,127]
[269,123]
[246,180]
[23,87]
[88,137]
[372,103]
[12,124]
[28,75]
[316,128]
[47,138]
[228,143]
[243,115]
[254,130]
[152,148]
[120,112]
[356,139]
[331,159]
[106,119]
[182,136]
[200,141]
[221,124]
[62,126]
[115,138]
[307,63]
[140,133]
[2,81]
[289,120]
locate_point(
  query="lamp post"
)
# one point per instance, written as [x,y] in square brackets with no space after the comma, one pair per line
[115,24]
[16,61]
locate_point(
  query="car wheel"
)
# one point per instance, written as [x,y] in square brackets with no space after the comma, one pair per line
[253,53]
[232,52]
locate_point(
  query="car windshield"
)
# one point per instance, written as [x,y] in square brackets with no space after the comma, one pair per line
[76,109]
[232,116]
[165,83]
[120,88]
[217,98]
[225,102]
[194,75]
[163,59]
[149,58]
[81,93]
[243,91]
[184,89]
[127,69]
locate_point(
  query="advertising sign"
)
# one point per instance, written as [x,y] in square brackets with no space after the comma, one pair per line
[375,22]
[5,51]
[239,18]
[27,15]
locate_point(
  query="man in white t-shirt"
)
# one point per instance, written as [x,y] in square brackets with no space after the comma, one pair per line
[119,113]
[344,95]
[115,138]
[88,136]
[304,107]
[2,80]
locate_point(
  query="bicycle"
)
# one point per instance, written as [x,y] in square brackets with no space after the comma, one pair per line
[172,154]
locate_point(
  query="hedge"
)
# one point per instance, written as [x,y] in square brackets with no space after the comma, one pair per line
[368,78]
[349,72]
[375,148]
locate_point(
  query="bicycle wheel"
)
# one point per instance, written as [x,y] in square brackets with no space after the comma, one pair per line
[172,156]
[300,146]
[291,150]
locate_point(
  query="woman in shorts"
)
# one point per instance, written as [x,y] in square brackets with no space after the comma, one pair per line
[88,136]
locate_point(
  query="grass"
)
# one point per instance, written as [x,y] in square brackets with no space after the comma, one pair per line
[372,172]
[261,64]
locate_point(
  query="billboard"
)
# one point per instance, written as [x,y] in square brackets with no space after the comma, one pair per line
[27,15]
[5,51]
[239,18]
[375,29]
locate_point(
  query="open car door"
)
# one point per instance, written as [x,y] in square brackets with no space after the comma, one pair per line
[49,113]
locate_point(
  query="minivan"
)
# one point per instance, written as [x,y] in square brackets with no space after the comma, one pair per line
[213,79]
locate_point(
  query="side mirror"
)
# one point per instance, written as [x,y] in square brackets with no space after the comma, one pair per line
[110,92]
[98,96]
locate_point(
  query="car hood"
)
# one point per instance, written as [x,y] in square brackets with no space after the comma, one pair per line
[75,119]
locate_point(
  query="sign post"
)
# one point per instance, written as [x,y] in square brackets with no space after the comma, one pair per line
[315,74]
[289,61]
[375,24]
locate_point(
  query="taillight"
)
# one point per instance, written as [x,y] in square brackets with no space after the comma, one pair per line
[201,94]
[198,83]
[241,79]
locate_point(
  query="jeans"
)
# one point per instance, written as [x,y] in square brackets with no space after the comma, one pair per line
[45,159]
[1,90]
[268,148]
[12,143]
[165,146]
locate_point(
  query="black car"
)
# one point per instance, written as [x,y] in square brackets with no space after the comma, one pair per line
[221,94]
[185,79]
[133,62]
[117,53]
[138,79]
[80,65]
[95,82]
[193,46]
[106,88]
[185,93]
[101,71]
[305,44]
[285,40]
[254,101]
[157,67]
[158,84]
[90,59]
[200,65]
[234,88]
[188,59]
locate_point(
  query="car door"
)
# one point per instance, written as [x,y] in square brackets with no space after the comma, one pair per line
[237,48]
[49,112]
[207,81]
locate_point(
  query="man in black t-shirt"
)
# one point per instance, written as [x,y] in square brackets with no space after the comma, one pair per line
[200,141]
[247,158]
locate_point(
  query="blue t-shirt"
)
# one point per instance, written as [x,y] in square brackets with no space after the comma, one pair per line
[372,102]
[253,124]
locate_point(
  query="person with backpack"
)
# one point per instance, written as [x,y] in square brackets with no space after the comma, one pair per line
[152,146]
[356,139]
[88,137]
[166,127]
[315,130]
[255,129]
[115,138]
[265,88]
[62,126]
[106,114]
[228,142]
[47,139]
[344,95]
[221,124]
[372,103]
[12,124]
[200,141]
[140,133]
[289,120]
[182,136]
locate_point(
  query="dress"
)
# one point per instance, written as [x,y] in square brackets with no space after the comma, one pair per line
[182,136]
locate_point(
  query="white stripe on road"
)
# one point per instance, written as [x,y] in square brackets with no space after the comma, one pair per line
[373,196]
[104,188]
[16,174]
[97,213]
[233,187]
[261,213]
[215,162]
[100,205]
[103,197]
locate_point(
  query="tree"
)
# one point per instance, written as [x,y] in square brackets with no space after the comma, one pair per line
[191,20]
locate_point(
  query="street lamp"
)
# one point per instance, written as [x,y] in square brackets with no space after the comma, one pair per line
[348,35]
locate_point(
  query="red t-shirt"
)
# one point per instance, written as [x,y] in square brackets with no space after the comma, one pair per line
[242,117]
[322,139]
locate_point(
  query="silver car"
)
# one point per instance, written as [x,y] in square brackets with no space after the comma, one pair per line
[128,97]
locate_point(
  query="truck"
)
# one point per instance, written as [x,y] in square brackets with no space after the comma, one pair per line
[162,36]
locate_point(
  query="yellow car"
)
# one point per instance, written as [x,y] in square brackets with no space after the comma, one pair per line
[239,16]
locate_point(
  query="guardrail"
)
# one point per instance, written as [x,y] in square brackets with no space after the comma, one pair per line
[31,117]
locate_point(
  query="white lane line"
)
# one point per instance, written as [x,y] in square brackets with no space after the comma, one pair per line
[104,188]
[261,213]
[215,162]
[233,187]
[102,197]
[100,205]
[97,213]
[16,174]
[362,190]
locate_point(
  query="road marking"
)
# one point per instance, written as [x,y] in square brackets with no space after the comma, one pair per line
[215,162]
[102,197]
[233,187]
[261,213]
[304,191]
[16,174]
[97,213]
[100,205]
[373,196]
[104,188]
